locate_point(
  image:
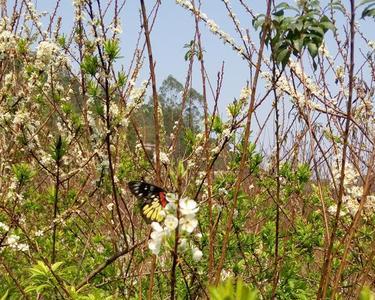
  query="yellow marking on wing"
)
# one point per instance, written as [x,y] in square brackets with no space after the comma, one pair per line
[159,218]
[152,211]
[147,209]
[149,213]
[153,215]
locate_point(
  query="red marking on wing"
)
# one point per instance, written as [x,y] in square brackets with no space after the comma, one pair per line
[163,200]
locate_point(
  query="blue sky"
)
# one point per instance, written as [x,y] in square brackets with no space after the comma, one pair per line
[175,27]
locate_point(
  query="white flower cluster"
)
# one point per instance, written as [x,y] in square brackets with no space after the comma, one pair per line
[3,227]
[49,53]
[46,51]
[8,41]
[13,242]
[238,106]
[245,93]
[221,140]
[137,94]
[340,72]
[182,217]
[163,158]
[284,86]
[324,51]
[353,192]
[214,28]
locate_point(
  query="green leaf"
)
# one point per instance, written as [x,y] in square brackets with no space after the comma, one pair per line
[368,11]
[61,40]
[90,65]
[366,294]
[314,65]
[318,30]
[326,24]
[282,55]
[112,49]
[23,172]
[313,49]
[258,21]
[56,265]
[121,78]
[278,13]
[297,44]
[59,148]
[363,2]
[303,173]
[337,5]
[217,125]
[22,46]
[5,296]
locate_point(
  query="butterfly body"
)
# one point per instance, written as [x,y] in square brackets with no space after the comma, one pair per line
[152,200]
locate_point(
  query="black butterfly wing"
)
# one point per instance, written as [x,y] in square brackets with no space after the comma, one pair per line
[151,199]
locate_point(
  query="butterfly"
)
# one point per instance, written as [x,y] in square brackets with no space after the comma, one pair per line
[152,200]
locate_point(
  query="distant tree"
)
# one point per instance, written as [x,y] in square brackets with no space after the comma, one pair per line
[170,99]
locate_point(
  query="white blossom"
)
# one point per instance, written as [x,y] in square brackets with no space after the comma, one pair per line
[172,197]
[197,254]
[39,233]
[188,223]
[46,50]
[199,150]
[171,222]
[110,206]
[181,217]
[188,206]
[157,236]
[164,158]
[213,26]
[4,227]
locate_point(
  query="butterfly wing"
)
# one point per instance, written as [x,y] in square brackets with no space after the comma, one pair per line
[151,199]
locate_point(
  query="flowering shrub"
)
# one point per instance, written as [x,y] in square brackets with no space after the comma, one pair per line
[179,222]
[272,199]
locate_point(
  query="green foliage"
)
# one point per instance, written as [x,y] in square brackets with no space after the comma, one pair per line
[233,291]
[23,172]
[366,294]
[97,294]
[58,149]
[22,46]
[192,50]
[217,125]
[54,279]
[90,65]
[254,158]
[61,40]
[5,296]
[112,49]
[54,115]
[121,79]
[43,278]
[292,34]
[369,10]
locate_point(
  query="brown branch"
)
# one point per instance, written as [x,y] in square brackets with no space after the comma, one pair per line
[154,93]
[103,265]
[245,142]
[326,269]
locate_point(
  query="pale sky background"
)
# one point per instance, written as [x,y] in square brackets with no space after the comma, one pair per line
[175,27]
